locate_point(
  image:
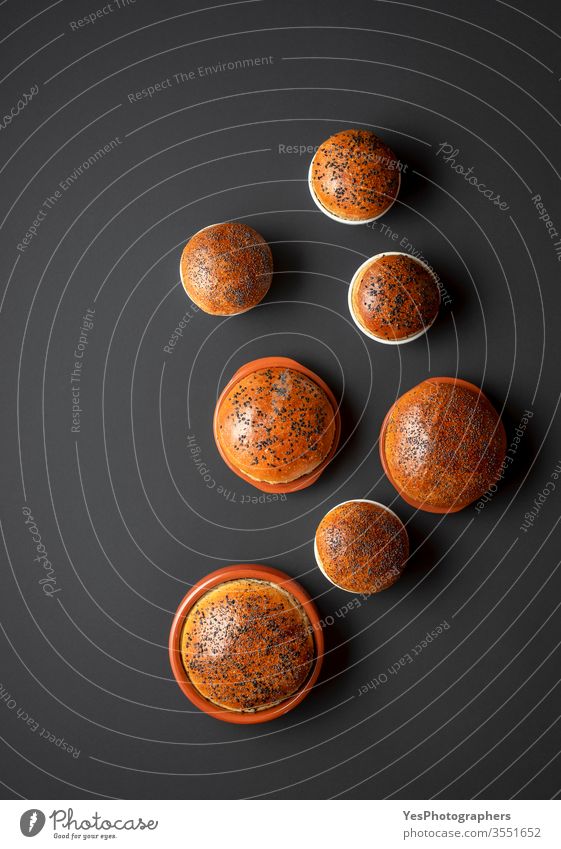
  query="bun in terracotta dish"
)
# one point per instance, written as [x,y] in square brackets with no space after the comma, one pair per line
[226,268]
[442,445]
[275,424]
[247,645]
[354,177]
[394,298]
[361,546]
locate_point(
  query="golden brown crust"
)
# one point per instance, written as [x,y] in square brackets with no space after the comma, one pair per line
[444,444]
[247,644]
[226,268]
[362,547]
[354,175]
[395,297]
[276,425]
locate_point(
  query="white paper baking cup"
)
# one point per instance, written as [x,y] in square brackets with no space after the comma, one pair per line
[354,281]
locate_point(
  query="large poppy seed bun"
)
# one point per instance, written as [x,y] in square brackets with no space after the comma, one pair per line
[275,425]
[247,644]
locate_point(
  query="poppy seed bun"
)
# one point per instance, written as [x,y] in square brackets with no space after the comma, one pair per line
[247,644]
[361,546]
[275,425]
[443,445]
[226,268]
[354,176]
[394,298]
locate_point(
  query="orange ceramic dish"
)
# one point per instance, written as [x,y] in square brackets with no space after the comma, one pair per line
[442,445]
[246,644]
[277,425]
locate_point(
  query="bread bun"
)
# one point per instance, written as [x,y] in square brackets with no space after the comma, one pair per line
[226,268]
[247,644]
[394,298]
[361,546]
[275,425]
[354,177]
[442,445]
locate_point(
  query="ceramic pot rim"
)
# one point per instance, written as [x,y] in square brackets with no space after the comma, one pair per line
[231,573]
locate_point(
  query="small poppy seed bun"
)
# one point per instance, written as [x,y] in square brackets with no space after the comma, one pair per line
[226,268]
[354,177]
[361,546]
[394,298]
[443,445]
[276,425]
[247,644]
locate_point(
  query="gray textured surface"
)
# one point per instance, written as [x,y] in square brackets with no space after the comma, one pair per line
[128,522]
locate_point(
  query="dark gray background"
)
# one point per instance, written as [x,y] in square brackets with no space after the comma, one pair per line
[129,523]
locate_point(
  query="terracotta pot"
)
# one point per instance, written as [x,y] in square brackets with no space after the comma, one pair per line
[422,505]
[305,480]
[231,573]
